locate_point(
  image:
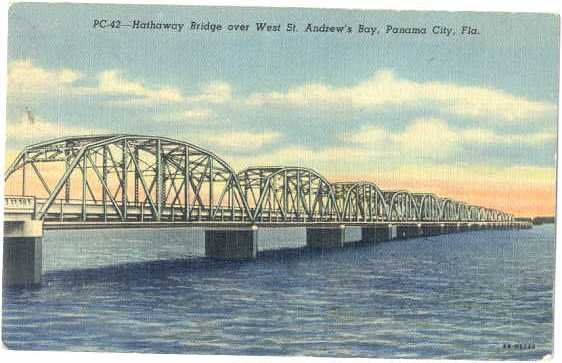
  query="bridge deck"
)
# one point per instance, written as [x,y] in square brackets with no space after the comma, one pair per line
[50,225]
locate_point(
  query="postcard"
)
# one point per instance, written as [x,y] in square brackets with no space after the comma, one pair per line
[253,181]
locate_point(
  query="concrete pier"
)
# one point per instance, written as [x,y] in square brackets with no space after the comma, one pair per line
[232,244]
[378,233]
[409,231]
[22,261]
[325,237]
[432,229]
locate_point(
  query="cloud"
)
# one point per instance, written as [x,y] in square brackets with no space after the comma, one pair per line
[214,93]
[424,144]
[23,130]
[483,136]
[324,160]
[240,140]
[27,82]
[427,138]
[423,138]
[386,89]
[433,138]
[113,83]
[197,114]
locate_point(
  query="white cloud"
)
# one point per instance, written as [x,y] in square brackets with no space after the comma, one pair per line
[434,138]
[423,138]
[375,136]
[26,82]
[424,142]
[197,114]
[385,89]
[483,136]
[25,130]
[112,82]
[214,93]
[427,138]
[241,140]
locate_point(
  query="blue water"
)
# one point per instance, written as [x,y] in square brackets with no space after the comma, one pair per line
[460,296]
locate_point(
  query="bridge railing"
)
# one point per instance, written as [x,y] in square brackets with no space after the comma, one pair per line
[19,206]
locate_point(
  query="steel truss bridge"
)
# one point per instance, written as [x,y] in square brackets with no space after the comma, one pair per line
[134,180]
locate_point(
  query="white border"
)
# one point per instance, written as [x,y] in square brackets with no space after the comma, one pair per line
[542,6]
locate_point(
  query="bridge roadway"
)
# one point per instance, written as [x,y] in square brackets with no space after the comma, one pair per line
[136,181]
[223,239]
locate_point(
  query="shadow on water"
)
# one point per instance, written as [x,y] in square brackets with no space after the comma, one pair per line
[136,272]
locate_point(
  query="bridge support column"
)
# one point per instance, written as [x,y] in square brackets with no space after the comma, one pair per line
[232,244]
[409,231]
[432,229]
[473,227]
[22,260]
[325,237]
[450,228]
[379,233]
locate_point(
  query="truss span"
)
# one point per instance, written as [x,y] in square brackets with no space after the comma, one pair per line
[123,178]
[129,177]
[360,201]
[402,206]
[429,207]
[288,194]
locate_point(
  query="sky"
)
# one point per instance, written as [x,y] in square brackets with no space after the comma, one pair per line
[468,117]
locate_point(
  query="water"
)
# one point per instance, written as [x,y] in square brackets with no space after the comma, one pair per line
[452,296]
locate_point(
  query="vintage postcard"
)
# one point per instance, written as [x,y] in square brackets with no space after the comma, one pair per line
[280,181]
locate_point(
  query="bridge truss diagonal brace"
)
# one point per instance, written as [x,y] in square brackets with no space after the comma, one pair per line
[147,193]
[60,183]
[106,188]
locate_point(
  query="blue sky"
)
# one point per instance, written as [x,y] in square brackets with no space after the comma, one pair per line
[475,109]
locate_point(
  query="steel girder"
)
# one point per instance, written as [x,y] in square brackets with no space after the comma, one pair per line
[449,210]
[429,207]
[402,206]
[129,177]
[288,194]
[360,201]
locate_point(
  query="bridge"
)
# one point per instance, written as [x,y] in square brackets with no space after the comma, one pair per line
[134,181]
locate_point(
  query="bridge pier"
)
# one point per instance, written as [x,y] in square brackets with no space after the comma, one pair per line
[448,228]
[378,233]
[409,231]
[232,244]
[22,261]
[432,229]
[325,237]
